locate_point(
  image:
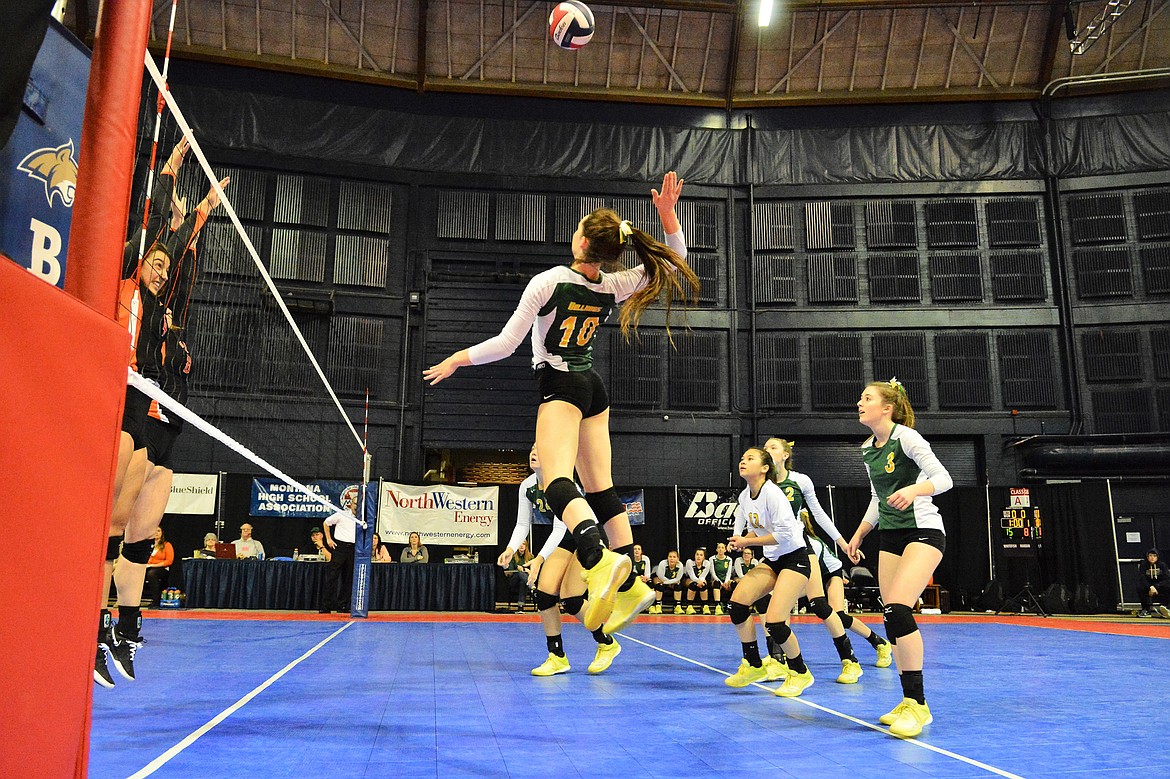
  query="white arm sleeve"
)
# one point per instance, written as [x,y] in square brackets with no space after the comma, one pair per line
[871,513]
[740,521]
[498,347]
[523,514]
[914,445]
[705,574]
[554,538]
[814,507]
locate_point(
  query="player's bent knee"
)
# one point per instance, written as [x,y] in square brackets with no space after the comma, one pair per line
[899,621]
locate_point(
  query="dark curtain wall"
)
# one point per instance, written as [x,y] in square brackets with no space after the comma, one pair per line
[842,155]
[905,152]
[440,144]
[1101,145]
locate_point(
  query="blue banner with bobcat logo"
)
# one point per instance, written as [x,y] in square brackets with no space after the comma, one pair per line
[38,167]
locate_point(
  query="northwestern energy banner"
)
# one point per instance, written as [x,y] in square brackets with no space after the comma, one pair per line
[193,493]
[439,513]
[274,498]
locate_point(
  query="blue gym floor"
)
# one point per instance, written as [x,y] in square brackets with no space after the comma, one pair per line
[379,699]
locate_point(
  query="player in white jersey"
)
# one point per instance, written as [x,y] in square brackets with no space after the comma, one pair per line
[556,575]
[903,475]
[764,518]
[802,496]
[563,308]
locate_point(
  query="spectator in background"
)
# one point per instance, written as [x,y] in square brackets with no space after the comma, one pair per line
[415,552]
[158,567]
[668,578]
[517,575]
[1154,586]
[721,584]
[643,568]
[208,550]
[698,582]
[246,546]
[317,539]
[379,553]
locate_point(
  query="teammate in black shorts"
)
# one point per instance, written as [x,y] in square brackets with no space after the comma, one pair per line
[903,473]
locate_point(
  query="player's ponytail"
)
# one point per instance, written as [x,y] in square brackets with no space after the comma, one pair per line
[667,275]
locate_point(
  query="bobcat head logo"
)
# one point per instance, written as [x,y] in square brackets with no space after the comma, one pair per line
[56,168]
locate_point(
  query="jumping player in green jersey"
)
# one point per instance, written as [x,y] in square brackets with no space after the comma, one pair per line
[563,308]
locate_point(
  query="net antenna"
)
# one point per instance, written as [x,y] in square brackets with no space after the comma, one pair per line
[230,210]
[157,128]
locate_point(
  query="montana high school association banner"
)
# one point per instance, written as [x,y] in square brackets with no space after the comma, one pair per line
[440,514]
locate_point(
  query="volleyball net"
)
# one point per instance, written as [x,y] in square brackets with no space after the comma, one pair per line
[253,382]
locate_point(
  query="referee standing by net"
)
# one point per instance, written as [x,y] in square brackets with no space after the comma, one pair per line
[340,529]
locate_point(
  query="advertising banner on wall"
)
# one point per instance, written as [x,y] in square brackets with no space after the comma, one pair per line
[635,503]
[38,166]
[705,517]
[439,513]
[274,498]
[193,493]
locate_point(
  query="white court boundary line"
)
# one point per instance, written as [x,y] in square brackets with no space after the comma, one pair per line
[162,759]
[842,715]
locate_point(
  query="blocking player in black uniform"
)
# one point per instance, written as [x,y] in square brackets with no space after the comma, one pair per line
[903,473]
[562,308]
[169,367]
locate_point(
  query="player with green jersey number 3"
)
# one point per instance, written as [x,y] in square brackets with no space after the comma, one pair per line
[562,308]
[903,475]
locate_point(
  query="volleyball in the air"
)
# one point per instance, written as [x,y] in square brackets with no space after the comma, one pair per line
[570,24]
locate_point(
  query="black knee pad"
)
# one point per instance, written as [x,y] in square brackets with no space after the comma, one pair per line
[574,604]
[779,631]
[899,621]
[605,504]
[113,546]
[739,613]
[820,606]
[544,601]
[761,606]
[138,551]
[846,619]
[560,494]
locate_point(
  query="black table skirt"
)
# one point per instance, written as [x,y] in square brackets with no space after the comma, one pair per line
[283,584]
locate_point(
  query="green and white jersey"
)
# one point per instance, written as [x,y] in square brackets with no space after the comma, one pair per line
[721,568]
[668,575]
[563,309]
[801,494]
[828,561]
[905,459]
[642,567]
